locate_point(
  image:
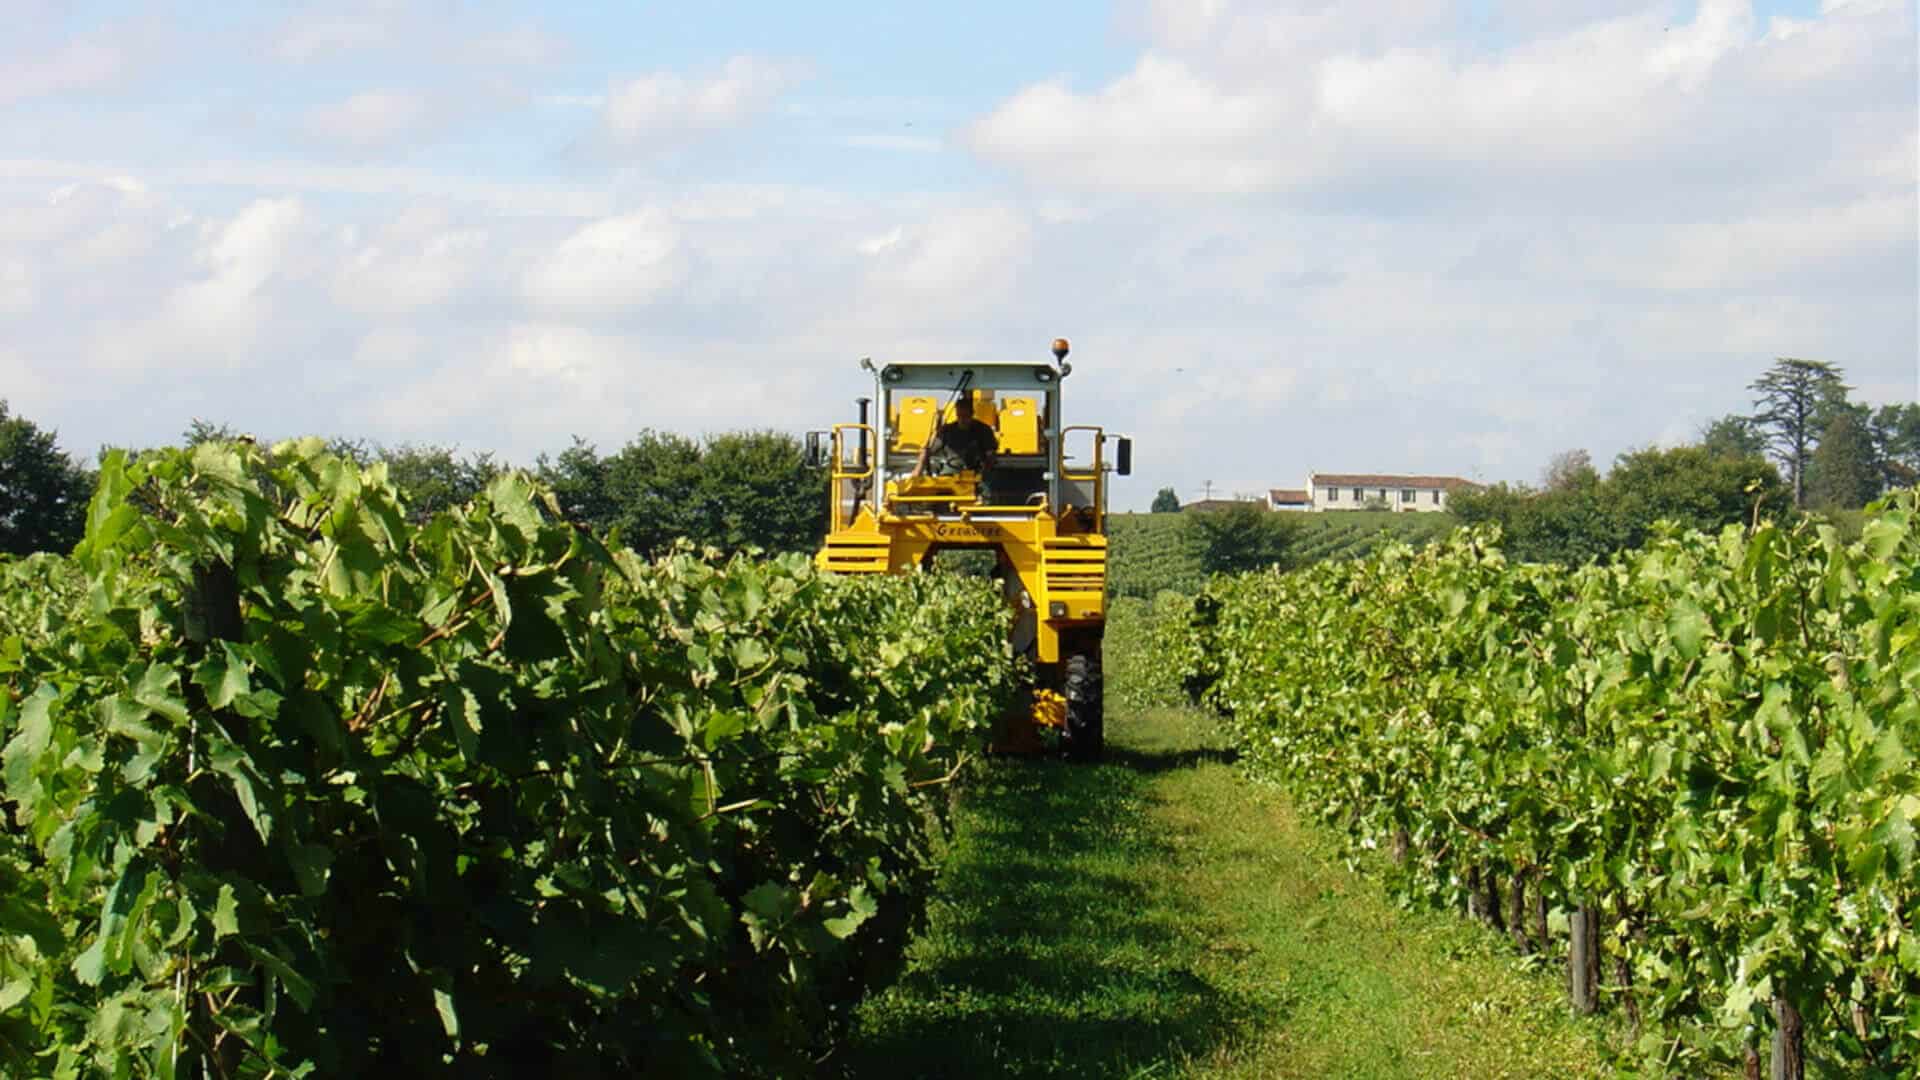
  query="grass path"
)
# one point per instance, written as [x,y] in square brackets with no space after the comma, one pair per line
[1159,916]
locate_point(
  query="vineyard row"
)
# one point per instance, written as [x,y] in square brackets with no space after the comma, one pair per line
[1690,769]
[292,785]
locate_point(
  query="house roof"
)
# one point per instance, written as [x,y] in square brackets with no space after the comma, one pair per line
[1219,504]
[1384,480]
[1289,496]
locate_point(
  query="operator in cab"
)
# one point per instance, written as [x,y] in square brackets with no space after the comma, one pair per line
[963,443]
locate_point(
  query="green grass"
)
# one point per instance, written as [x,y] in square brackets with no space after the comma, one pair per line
[1158,915]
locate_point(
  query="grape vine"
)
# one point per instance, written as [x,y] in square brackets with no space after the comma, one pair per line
[1708,742]
[293,786]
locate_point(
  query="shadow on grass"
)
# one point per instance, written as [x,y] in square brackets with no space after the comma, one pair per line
[1049,951]
[1151,762]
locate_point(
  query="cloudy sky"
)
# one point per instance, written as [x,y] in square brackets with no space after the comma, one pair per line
[1434,236]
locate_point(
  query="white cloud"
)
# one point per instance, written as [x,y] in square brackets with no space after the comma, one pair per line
[18,290]
[523,45]
[182,294]
[371,117]
[354,29]
[394,349]
[1236,347]
[1825,247]
[874,245]
[665,106]
[1321,100]
[17,375]
[1249,40]
[417,263]
[317,35]
[527,387]
[1532,18]
[1160,127]
[244,253]
[374,181]
[222,312]
[76,65]
[947,268]
[1290,235]
[911,144]
[520,385]
[1859,7]
[611,266]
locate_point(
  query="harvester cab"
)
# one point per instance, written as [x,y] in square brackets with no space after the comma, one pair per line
[1033,491]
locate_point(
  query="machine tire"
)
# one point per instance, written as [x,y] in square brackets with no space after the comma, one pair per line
[1086,713]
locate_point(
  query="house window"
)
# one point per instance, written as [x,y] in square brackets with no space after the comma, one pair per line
[1381,495]
[1332,494]
[1407,495]
[1357,496]
[1435,496]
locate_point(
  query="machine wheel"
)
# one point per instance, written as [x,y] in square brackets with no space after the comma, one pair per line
[1086,715]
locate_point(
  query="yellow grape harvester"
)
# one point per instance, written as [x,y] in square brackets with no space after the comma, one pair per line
[1041,509]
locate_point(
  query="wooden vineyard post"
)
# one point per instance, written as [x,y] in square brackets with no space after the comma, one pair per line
[1483,897]
[1495,917]
[1789,1061]
[1623,982]
[1517,914]
[1541,938]
[1583,962]
[1623,969]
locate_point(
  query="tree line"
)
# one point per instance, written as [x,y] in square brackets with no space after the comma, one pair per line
[732,491]
[1805,446]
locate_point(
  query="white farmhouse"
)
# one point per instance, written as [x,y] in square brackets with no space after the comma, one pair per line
[1361,491]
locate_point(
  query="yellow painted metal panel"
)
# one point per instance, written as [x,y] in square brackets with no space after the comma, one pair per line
[1019,426]
[912,420]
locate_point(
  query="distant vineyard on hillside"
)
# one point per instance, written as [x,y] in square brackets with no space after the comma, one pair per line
[1155,552]
[1354,534]
[1149,553]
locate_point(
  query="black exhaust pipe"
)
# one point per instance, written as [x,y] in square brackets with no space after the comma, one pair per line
[863,403]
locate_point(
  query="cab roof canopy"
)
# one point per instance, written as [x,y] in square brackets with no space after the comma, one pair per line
[918,374]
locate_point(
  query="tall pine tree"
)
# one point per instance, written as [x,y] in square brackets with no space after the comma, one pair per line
[1793,402]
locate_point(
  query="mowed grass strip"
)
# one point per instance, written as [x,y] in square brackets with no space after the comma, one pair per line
[1158,915]
[1053,947]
